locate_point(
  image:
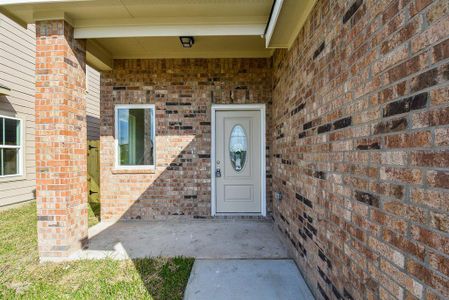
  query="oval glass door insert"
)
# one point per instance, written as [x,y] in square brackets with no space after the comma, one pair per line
[238,147]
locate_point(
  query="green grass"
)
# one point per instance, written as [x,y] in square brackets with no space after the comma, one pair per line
[23,277]
[94,212]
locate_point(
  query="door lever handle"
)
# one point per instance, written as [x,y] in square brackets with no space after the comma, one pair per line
[218,172]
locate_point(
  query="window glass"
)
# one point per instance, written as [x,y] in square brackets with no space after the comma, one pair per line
[1,131]
[12,134]
[135,136]
[10,146]
[10,161]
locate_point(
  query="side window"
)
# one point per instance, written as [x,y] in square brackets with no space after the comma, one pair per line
[135,132]
[10,146]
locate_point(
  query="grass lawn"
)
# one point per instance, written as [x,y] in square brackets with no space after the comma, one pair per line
[23,277]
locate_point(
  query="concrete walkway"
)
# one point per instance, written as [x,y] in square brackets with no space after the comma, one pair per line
[210,239]
[235,259]
[246,280]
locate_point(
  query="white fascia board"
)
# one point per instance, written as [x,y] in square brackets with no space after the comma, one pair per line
[273,20]
[169,30]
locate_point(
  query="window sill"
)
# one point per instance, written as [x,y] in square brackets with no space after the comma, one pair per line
[133,171]
[12,178]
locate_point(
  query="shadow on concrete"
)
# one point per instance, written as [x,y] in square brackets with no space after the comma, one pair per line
[185,232]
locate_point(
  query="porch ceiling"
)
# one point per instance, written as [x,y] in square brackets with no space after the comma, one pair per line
[150,28]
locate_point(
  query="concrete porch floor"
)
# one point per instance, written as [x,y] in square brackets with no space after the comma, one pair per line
[235,258]
[202,239]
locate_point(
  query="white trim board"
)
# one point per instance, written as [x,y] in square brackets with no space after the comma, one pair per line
[169,30]
[272,21]
[239,107]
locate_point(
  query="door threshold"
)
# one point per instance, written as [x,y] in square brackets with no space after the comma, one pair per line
[258,216]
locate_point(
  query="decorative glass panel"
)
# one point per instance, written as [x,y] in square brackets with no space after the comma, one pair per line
[238,147]
[135,136]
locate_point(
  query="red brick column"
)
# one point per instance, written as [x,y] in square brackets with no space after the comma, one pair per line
[61,162]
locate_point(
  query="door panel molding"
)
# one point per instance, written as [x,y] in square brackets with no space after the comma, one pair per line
[239,107]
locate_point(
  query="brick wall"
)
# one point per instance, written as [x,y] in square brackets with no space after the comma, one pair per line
[361,149]
[183,91]
[61,145]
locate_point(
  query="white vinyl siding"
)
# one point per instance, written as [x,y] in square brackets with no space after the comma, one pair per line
[93,103]
[17,72]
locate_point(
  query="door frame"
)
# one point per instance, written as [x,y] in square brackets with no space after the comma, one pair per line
[239,107]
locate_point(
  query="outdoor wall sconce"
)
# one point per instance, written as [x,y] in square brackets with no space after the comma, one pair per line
[187,41]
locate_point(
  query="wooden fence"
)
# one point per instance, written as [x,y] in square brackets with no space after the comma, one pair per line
[93,171]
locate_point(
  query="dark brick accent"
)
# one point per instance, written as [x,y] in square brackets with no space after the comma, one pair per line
[304,200]
[311,228]
[425,80]
[342,123]
[319,175]
[323,276]
[307,125]
[298,109]
[405,105]
[45,218]
[352,10]
[322,292]
[324,128]
[319,50]
[336,293]
[367,198]
[391,126]
[372,146]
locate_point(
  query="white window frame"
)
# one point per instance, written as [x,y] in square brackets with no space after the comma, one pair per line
[20,148]
[153,135]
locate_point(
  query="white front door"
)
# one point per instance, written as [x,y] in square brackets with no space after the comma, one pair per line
[238,161]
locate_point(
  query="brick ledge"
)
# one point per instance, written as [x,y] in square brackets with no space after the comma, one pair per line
[133,171]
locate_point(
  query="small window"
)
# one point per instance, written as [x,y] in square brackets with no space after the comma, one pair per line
[134,128]
[10,146]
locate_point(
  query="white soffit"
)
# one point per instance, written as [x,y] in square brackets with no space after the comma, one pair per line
[289,22]
[169,47]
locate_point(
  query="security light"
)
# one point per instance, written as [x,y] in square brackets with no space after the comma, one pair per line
[187,41]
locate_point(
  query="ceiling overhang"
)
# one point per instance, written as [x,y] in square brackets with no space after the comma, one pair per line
[134,28]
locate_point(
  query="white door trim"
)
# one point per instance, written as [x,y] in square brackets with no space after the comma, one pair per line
[239,107]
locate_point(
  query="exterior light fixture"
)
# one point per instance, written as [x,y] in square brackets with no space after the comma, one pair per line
[187,41]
